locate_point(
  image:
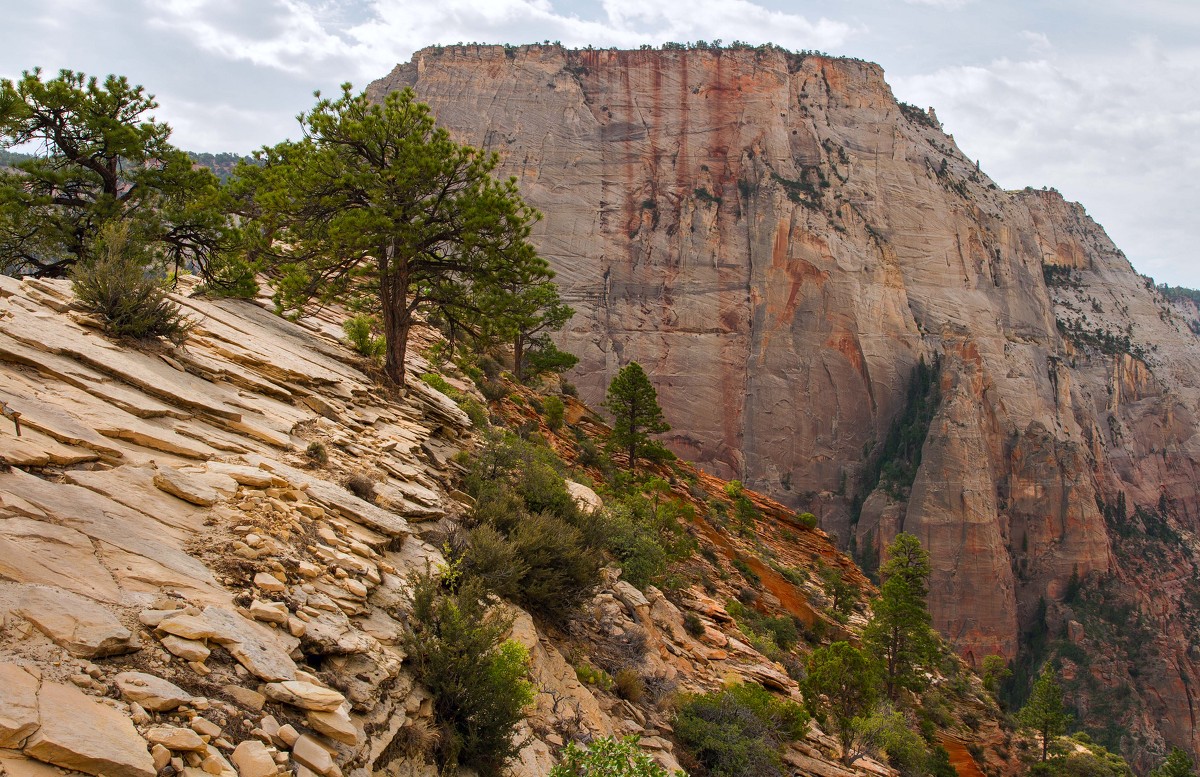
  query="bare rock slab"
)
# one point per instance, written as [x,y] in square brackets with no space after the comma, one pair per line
[18,705]
[83,627]
[79,733]
[153,693]
[306,696]
[186,486]
[252,759]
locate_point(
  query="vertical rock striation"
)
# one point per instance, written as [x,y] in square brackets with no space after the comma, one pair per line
[780,242]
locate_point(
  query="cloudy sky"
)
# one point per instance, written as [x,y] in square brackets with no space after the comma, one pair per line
[1098,98]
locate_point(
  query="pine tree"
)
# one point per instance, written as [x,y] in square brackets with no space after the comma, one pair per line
[378,206]
[1178,764]
[633,403]
[840,688]
[100,159]
[900,634]
[1044,711]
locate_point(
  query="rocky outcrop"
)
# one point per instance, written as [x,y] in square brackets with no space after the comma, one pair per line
[187,585]
[779,243]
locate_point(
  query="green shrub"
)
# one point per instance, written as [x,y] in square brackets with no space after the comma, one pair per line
[740,731]
[478,680]
[361,331]
[591,675]
[120,285]
[807,520]
[230,276]
[494,390]
[568,389]
[475,411]
[748,573]
[554,408]
[607,757]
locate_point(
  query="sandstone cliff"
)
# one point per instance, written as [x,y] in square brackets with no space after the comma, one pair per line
[780,243]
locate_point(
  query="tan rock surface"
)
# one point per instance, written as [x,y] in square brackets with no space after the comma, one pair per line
[18,705]
[86,629]
[79,733]
[151,692]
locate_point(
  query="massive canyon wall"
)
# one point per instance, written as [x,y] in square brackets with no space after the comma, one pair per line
[780,243]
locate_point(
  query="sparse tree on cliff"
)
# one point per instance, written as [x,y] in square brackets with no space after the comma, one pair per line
[379,207]
[523,311]
[1178,764]
[633,403]
[99,160]
[900,633]
[1044,711]
[841,688]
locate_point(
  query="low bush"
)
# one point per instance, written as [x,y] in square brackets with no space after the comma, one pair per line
[554,409]
[740,731]
[693,625]
[121,286]
[362,332]
[361,486]
[607,757]
[591,675]
[316,453]
[629,685]
[478,681]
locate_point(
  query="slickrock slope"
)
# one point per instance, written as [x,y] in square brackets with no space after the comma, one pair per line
[183,584]
[780,244]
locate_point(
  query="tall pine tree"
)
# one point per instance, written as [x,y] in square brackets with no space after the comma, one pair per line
[1044,711]
[900,634]
[633,403]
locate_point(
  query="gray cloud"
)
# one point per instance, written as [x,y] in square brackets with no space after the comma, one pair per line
[1096,99]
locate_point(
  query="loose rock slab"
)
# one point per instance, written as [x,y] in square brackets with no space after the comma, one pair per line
[153,693]
[18,705]
[86,629]
[79,733]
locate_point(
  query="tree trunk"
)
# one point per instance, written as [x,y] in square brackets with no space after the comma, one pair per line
[519,357]
[397,319]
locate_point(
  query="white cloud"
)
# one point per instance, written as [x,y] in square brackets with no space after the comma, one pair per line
[1113,131]
[950,5]
[1038,42]
[309,36]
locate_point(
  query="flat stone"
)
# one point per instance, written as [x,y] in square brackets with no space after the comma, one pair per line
[264,652]
[13,764]
[244,697]
[175,738]
[310,753]
[18,705]
[83,627]
[187,649]
[153,693]
[79,733]
[186,486]
[252,759]
[161,756]
[269,612]
[269,583]
[205,727]
[306,696]
[336,725]
[243,474]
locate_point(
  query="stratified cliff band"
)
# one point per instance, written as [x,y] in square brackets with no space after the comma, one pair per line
[781,244]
